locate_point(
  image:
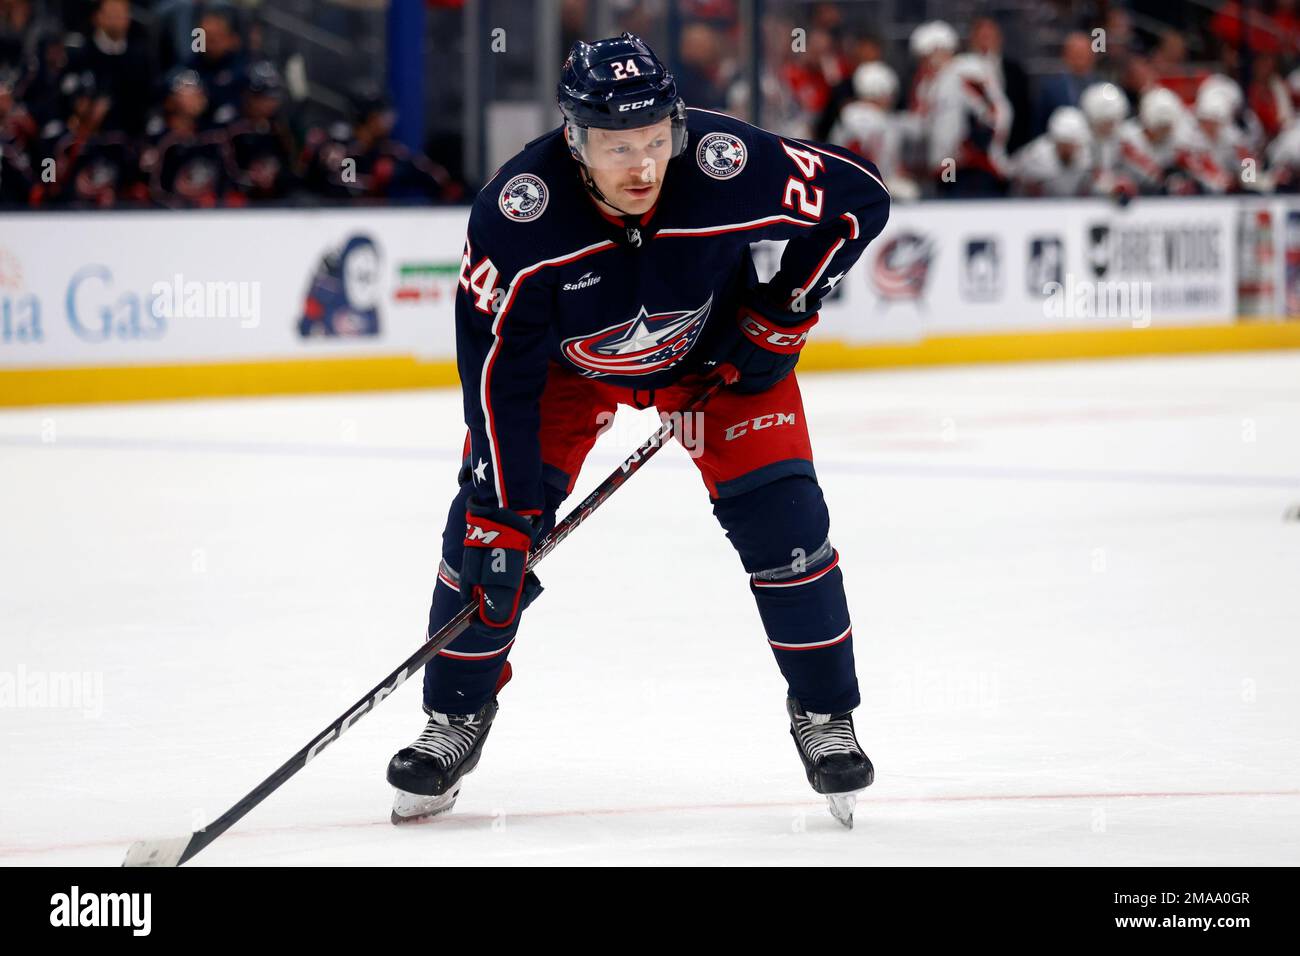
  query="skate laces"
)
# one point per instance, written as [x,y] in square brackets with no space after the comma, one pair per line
[446,738]
[821,735]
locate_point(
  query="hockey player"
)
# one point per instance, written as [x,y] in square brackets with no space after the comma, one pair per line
[1105,106]
[933,45]
[869,126]
[1284,160]
[1161,151]
[608,264]
[1216,134]
[1244,120]
[970,121]
[1058,163]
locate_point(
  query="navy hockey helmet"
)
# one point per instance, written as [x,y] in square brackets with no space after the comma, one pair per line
[617,83]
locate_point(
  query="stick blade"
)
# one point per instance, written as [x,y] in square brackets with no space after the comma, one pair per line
[165,852]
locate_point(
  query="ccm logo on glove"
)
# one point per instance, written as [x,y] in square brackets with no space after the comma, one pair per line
[784,339]
[486,533]
[495,561]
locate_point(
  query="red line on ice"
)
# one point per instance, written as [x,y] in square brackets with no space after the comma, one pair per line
[865,803]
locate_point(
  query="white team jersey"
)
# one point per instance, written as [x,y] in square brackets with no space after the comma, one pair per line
[962,102]
[1227,149]
[1284,156]
[1105,151]
[1037,170]
[1149,163]
[871,132]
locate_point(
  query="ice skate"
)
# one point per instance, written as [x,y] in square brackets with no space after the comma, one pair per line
[427,774]
[832,758]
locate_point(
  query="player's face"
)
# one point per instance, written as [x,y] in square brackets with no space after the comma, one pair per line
[1103,129]
[1067,151]
[629,165]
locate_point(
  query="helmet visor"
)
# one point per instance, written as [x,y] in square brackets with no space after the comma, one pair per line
[648,148]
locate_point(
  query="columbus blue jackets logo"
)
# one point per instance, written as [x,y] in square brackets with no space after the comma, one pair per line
[523,198]
[721,155]
[902,267]
[639,346]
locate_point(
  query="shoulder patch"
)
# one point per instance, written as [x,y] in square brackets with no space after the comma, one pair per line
[720,155]
[524,197]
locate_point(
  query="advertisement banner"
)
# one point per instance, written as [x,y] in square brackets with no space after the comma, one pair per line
[148,289]
[970,268]
[99,289]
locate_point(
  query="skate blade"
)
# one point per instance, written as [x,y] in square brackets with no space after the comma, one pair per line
[414,807]
[841,806]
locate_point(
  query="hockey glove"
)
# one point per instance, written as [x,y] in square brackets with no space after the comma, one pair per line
[492,571]
[764,346]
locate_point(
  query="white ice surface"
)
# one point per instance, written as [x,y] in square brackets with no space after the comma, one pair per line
[1076,606]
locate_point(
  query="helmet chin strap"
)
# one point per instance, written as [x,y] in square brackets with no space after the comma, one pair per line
[592,188]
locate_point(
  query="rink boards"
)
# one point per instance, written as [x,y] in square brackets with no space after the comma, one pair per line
[140,305]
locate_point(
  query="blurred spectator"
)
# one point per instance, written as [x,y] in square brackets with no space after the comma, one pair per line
[121,67]
[781,111]
[1268,96]
[1219,136]
[1120,45]
[15,167]
[174,30]
[1058,163]
[261,144]
[986,41]
[186,160]
[869,126]
[932,45]
[1105,107]
[17,33]
[1139,76]
[242,149]
[812,74]
[1257,30]
[220,63]
[968,129]
[38,87]
[865,50]
[1161,151]
[93,166]
[1065,87]
[1284,160]
[1243,118]
[361,161]
[1169,58]
[699,79]
[1287,18]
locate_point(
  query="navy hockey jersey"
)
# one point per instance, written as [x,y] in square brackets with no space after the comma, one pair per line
[547,276]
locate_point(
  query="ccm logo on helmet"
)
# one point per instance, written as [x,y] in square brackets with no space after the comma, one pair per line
[636,106]
[758,424]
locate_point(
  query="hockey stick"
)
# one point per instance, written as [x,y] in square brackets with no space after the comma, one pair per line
[173,851]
